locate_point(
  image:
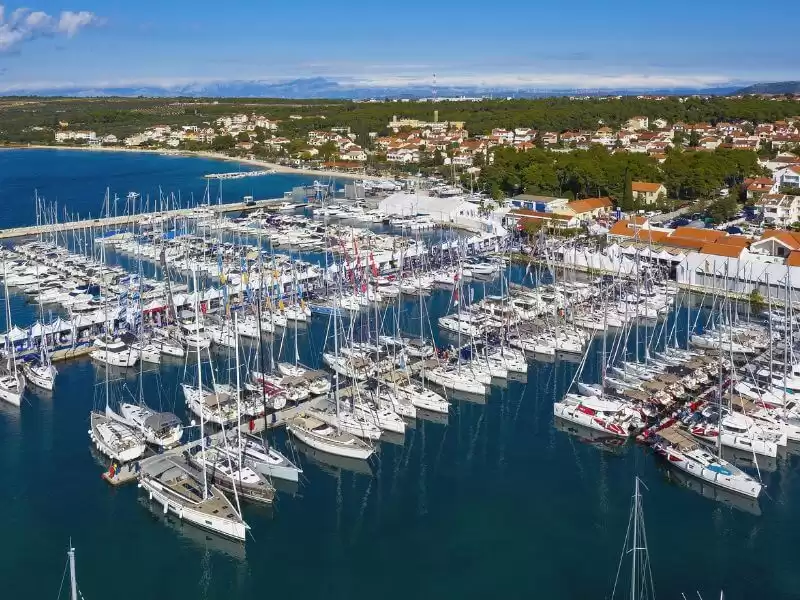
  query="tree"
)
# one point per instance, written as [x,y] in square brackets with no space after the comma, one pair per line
[328,150]
[223,142]
[678,138]
[756,301]
[723,209]
[243,137]
[694,139]
[627,203]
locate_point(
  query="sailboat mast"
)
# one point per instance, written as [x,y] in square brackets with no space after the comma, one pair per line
[635,544]
[200,381]
[238,391]
[73,582]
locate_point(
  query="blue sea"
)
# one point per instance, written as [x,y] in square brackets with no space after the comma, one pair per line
[495,503]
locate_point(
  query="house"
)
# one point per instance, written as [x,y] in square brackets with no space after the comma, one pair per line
[777,243]
[549,138]
[588,208]
[635,227]
[660,123]
[759,186]
[780,210]
[788,176]
[110,139]
[403,155]
[539,203]
[353,154]
[637,123]
[647,192]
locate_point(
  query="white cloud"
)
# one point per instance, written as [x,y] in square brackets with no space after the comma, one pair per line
[71,22]
[22,25]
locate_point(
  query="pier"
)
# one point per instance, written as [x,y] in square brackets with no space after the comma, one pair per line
[128,220]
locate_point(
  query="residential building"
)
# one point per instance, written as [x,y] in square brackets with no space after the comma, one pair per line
[780,210]
[788,176]
[588,208]
[647,192]
[637,123]
[755,188]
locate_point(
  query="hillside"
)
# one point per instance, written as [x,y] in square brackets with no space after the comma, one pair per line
[778,87]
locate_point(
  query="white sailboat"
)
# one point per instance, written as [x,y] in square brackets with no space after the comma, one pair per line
[162,429]
[328,435]
[12,384]
[41,372]
[179,490]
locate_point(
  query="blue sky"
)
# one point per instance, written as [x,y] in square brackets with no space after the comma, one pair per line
[520,43]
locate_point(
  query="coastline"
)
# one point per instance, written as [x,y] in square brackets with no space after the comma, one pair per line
[202,154]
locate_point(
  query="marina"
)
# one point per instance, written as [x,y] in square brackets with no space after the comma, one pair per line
[419,379]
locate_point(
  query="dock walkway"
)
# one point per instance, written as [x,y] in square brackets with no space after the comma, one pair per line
[127,220]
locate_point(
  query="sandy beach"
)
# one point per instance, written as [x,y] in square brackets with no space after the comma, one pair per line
[203,154]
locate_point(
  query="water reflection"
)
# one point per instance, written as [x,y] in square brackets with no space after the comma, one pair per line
[332,464]
[742,503]
[199,538]
[591,437]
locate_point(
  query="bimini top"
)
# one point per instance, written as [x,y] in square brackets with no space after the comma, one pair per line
[161,420]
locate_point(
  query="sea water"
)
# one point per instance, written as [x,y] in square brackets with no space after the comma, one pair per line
[496,503]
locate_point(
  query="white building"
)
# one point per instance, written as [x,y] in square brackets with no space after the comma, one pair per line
[780,210]
[788,176]
[455,210]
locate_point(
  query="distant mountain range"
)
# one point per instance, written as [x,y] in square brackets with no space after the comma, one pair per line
[778,87]
[322,87]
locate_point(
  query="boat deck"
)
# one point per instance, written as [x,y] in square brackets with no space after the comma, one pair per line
[678,437]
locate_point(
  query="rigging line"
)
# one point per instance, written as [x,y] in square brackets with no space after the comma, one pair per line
[63,577]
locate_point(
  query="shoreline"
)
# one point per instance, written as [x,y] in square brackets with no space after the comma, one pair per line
[202,154]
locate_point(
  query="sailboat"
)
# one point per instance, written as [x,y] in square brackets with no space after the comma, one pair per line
[176,486]
[112,437]
[327,435]
[12,384]
[41,372]
[225,465]
[641,578]
[162,429]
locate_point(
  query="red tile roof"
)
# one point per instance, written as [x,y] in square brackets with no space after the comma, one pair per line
[793,260]
[684,242]
[722,250]
[588,204]
[788,238]
[706,235]
[645,187]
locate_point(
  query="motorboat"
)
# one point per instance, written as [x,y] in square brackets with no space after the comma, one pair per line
[115,352]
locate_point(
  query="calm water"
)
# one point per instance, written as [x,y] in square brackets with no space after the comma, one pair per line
[496,503]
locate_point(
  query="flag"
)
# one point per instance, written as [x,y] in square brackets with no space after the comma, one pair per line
[373,265]
[455,277]
[455,297]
